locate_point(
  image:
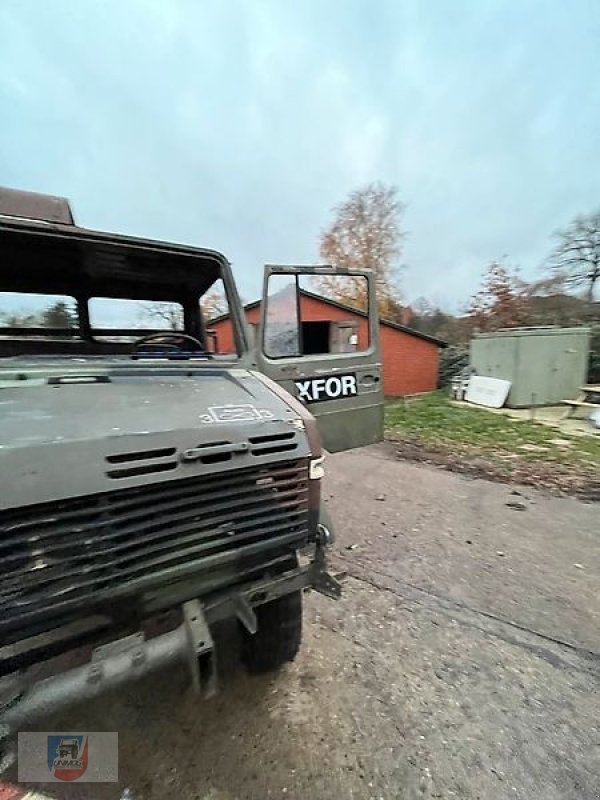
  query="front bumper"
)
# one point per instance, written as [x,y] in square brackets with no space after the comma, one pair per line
[134,656]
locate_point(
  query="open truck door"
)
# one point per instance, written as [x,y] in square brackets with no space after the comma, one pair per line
[325,352]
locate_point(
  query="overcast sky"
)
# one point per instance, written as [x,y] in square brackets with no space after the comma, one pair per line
[238,125]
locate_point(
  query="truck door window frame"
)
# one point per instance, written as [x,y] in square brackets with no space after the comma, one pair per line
[296,273]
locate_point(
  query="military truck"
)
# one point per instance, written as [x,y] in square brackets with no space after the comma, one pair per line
[154,480]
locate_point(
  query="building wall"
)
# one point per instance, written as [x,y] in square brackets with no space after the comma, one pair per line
[224,333]
[410,364]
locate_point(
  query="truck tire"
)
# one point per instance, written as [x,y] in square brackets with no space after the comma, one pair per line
[277,639]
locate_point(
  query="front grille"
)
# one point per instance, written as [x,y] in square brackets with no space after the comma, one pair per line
[61,555]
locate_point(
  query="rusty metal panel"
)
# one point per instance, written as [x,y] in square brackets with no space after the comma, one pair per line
[31,205]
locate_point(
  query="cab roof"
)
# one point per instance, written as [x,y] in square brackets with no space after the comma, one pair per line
[43,251]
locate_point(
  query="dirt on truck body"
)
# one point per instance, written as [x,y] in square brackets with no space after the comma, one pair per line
[152,484]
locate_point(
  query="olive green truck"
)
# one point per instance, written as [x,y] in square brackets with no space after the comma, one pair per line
[154,480]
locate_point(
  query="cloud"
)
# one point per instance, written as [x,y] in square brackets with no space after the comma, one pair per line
[239,125]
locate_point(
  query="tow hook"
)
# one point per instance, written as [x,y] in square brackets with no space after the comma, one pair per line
[325,535]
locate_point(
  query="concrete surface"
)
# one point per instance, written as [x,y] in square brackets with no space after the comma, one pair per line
[578,424]
[462,662]
[552,416]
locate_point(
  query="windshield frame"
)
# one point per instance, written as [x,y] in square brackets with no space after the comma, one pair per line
[45,258]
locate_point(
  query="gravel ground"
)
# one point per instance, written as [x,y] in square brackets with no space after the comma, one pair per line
[463,661]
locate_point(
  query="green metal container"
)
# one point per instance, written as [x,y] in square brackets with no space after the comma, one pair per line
[545,365]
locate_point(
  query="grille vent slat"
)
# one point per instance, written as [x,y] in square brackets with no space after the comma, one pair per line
[143,462]
[271,443]
[122,458]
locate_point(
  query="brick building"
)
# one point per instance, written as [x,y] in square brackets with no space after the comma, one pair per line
[410,359]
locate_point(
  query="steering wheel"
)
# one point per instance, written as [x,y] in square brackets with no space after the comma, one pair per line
[174,341]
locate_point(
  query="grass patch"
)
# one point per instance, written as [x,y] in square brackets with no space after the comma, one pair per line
[434,420]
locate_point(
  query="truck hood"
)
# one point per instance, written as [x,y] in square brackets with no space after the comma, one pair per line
[73,435]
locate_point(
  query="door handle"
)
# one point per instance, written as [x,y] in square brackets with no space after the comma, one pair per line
[368,380]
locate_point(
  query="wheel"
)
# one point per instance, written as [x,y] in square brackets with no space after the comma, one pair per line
[277,639]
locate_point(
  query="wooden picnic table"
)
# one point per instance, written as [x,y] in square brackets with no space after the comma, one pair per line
[589,397]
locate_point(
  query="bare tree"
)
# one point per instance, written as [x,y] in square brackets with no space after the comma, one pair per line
[169,315]
[428,318]
[19,319]
[577,254]
[365,234]
[213,303]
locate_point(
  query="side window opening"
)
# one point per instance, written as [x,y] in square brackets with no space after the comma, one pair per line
[125,321]
[50,323]
[31,314]
[312,316]
[214,307]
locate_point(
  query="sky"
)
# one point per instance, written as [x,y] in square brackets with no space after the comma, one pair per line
[238,125]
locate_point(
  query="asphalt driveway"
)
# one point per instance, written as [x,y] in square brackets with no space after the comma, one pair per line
[463,661]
